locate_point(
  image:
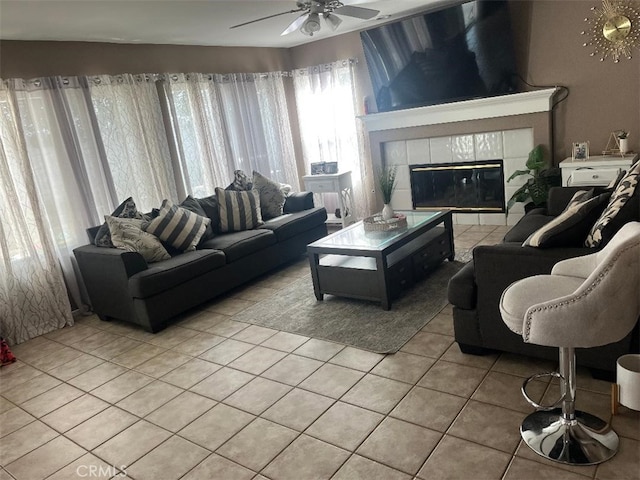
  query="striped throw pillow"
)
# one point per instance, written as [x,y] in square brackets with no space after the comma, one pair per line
[570,228]
[238,210]
[177,226]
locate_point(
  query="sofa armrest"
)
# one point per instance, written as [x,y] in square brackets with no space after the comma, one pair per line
[105,273]
[298,201]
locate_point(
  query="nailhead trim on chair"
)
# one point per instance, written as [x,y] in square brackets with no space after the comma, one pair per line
[527,329]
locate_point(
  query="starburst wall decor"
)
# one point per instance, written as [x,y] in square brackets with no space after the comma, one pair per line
[614,29]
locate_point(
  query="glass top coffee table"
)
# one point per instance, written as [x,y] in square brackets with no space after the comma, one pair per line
[378,266]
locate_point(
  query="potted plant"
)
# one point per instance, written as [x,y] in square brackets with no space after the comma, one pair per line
[387,183]
[623,137]
[542,176]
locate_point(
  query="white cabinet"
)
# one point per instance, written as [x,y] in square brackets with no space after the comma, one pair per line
[339,183]
[596,171]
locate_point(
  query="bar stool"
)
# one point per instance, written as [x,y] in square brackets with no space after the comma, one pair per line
[586,302]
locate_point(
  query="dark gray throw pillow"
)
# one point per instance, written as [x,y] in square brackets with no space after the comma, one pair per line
[126,209]
[570,228]
[210,207]
[194,206]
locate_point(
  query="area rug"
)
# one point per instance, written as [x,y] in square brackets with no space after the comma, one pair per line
[358,323]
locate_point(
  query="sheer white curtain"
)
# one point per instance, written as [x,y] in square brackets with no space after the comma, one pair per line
[226,122]
[33,297]
[129,116]
[326,101]
[72,184]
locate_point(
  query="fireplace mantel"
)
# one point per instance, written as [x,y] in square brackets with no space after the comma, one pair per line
[477,109]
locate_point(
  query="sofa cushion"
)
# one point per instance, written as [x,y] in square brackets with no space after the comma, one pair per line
[240,244]
[239,210]
[622,208]
[167,274]
[127,234]
[178,227]
[194,206]
[271,196]
[126,209]
[570,228]
[462,290]
[291,224]
[526,226]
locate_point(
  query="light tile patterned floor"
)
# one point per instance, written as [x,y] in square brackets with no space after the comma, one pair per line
[212,398]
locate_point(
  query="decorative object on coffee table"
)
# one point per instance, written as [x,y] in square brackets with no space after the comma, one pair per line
[387,183]
[376,223]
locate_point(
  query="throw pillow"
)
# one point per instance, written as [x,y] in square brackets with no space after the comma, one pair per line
[194,206]
[240,182]
[126,209]
[127,234]
[177,226]
[570,228]
[210,207]
[619,210]
[271,196]
[238,210]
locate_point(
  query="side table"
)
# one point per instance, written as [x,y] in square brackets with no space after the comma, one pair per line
[339,183]
[596,171]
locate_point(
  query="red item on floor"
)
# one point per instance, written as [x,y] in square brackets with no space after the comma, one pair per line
[6,357]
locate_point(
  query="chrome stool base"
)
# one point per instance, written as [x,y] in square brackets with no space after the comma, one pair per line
[587,440]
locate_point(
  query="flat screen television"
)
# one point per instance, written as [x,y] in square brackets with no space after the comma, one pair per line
[457,53]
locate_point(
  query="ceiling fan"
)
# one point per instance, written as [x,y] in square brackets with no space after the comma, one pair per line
[309,22]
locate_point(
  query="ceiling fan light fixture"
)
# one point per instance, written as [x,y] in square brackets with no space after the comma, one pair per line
[311,25]
[332,20]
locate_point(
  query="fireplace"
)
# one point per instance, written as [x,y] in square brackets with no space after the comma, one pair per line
[449,135]
[465,187]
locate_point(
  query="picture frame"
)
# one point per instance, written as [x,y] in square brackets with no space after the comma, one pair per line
[580,151]
[317,168]
[331,167]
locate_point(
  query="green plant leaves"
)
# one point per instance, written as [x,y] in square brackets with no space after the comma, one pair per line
[542,177]
[387,181]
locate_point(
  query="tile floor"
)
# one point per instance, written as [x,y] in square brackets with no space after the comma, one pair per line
[212,398]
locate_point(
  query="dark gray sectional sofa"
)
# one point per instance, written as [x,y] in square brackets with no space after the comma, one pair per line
[476,289]
[121,285]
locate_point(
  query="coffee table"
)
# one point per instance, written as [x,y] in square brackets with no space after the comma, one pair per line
[378,266]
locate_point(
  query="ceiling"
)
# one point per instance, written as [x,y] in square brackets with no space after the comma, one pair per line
[180,22]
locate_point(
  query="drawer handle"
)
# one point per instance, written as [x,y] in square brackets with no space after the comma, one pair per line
[403,282]
[595,176]
[400,270]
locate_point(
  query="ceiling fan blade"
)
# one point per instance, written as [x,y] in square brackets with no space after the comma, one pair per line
[357,12]
[270,16]
[295,25]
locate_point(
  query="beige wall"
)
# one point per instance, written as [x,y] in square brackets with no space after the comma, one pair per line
[604,96]
[39,59]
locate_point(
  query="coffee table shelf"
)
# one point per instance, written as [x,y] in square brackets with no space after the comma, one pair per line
[379,266]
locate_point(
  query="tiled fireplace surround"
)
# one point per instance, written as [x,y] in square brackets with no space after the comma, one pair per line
[504,128]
